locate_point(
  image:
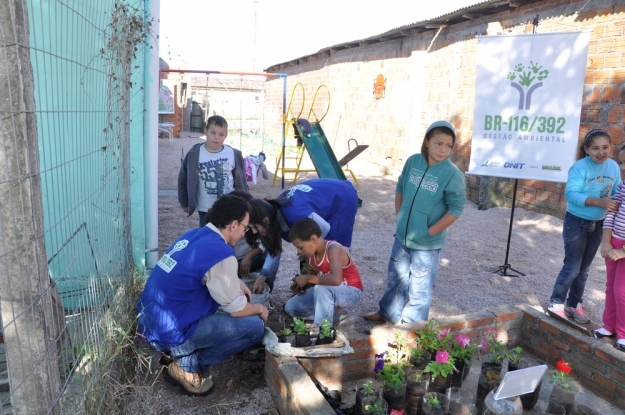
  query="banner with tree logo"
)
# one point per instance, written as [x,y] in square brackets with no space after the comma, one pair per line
[528,98]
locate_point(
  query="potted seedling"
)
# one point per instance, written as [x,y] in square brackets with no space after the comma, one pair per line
[419,358]
[462,350]
[513,355]
[288,336]
[435,403]
[417,387]
[365,395]
[302,334]
[564,390]
[488,381]
[379,407]
[326,333]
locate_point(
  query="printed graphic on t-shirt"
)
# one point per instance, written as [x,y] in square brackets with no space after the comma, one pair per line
[429,182]
[167,263]
[214,175]
[606,191]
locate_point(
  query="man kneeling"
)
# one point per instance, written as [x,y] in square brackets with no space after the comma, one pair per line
[194,308]
[338,284]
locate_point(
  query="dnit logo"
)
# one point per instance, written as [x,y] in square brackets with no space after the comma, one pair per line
[526,78]
[509,165]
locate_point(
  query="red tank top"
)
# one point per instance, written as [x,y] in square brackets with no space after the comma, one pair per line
[351,276]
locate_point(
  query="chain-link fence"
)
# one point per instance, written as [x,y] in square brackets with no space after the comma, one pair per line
[70,73]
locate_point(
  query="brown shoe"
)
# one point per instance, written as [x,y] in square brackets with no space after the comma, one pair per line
[191,383]
[373,317]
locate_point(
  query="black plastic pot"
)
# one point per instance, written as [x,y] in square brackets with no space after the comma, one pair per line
[325,340]
[458,377]
[290,338]
[302,340]
[420,364]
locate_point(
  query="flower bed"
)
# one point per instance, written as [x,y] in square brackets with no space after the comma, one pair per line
[596,365]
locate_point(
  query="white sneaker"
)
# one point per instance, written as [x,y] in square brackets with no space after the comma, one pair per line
[557,309]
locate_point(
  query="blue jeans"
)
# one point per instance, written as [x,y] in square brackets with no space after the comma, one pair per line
[216,338]
[267,266]
[201,215]
[320,301]
[411,275]
[582,238]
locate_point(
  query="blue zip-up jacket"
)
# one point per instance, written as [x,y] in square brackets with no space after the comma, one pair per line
[589,179]
[428,193]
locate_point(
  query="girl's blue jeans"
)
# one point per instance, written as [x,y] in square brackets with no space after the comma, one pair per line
[411,275]
[216,338]
[582,238]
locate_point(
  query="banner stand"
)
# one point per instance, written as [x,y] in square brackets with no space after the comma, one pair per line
[503,269]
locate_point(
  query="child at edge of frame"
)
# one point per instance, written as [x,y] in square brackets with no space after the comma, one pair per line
[338,283]
[613,250]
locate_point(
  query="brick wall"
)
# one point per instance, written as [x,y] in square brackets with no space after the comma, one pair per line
[597,365]
[431,75]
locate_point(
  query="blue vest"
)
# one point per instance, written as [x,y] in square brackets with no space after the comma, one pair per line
[174,298]
[336,201]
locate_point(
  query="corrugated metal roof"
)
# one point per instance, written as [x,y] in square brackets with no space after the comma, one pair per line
[451,17]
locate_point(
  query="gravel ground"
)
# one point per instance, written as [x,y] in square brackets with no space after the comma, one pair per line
[476,245]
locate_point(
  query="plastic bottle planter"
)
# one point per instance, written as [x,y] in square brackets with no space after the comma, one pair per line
[440,384]
[365,395]
[458,377]
[415,390]
[395,395]
[489,380]
[421,362]
[564,397]
[435,403]
[378,407]
[528,400]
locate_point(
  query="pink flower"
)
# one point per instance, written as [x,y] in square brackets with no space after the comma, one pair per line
[442,334]
[390,339]
[442,357]
[483,346]
[397,412]
[490,332]
[463,340]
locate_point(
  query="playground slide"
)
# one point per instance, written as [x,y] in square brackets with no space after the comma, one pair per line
[321,153]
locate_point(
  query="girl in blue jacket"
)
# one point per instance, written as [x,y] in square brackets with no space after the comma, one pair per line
[591,183]
[429,197]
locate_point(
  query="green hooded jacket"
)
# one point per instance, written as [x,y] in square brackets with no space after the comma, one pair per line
[428,193]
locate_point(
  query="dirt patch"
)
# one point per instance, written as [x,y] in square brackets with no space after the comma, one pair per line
[476,244]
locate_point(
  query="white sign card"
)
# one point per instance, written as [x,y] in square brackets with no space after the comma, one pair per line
[528,98]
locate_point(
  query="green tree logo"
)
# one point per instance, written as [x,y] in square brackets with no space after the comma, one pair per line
[526,78]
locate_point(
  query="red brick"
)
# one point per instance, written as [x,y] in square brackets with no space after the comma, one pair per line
[454,326]
[529,317]
[603,77]
[549,327]
[364,354]
[534,351]
[537,184]
[616,133]
[617,376]
[481,322]
[562,346]
[472,333]
[550,350]
[359,375]
[612,60]
[617,77]
[357,343]
[604,382]
[509,316]
[355,367]
[576,341]
[594,62]
[597,389]
[614,114]
[609,358]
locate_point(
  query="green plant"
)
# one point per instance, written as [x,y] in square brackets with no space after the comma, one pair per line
[325,329]
[443,365]
[299,326]
[287,332]
[432,402]
[376,408]
[492,378]
[427,337]
[463,349]
[367,388]
[392,375]
[417,376]
[491,345]
[416,353]
[562,375]
[514,355]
